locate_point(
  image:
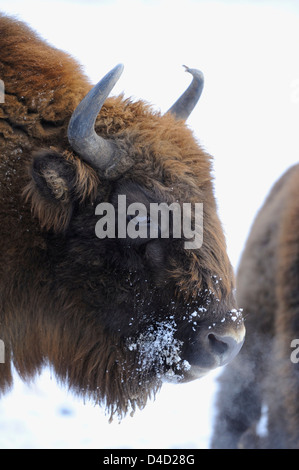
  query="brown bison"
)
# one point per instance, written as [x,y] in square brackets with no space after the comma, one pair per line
[112,316]
[262,384]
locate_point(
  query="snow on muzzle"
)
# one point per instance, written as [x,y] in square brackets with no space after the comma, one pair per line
[214,345]
[173,357]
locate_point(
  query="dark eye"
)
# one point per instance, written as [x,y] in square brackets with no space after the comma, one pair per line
[141,233]
[140,219]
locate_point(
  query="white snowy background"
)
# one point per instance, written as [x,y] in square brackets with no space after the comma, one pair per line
[247,118]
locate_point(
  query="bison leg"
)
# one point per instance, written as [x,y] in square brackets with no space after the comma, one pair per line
[239,402]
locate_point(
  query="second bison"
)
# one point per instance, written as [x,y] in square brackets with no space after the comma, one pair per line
[259,392]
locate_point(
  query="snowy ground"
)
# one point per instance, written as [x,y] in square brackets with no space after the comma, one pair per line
[44,415]
[248,119]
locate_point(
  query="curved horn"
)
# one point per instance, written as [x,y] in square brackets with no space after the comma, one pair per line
[183,107]
[82,136]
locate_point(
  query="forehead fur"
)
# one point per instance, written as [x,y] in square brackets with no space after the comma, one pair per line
[162,148]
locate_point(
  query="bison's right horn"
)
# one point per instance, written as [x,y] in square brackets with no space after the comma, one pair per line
[97,151]
[183,107]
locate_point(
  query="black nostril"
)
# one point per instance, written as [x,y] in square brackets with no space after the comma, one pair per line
[224,347]
[213,348]
[218,346]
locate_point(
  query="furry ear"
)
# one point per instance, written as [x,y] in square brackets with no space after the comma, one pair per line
[57,182]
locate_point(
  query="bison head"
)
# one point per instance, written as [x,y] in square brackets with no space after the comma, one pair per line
[123,313]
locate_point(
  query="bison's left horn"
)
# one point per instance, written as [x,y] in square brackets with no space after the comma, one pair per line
[97,151]
[183,107]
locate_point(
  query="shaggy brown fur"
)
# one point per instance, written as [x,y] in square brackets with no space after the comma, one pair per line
[263,377]
[68,298]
